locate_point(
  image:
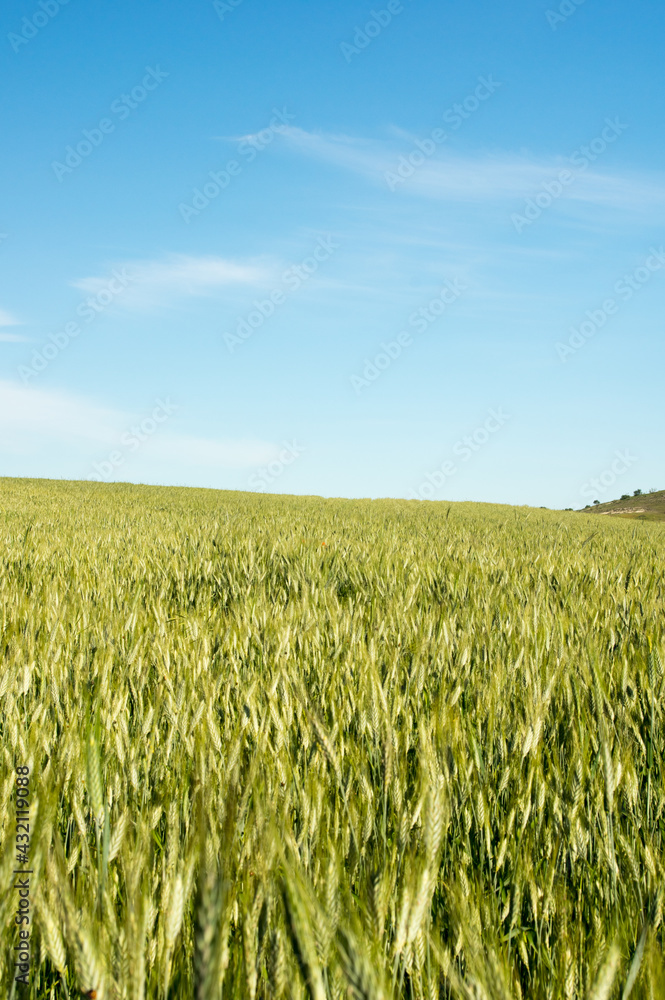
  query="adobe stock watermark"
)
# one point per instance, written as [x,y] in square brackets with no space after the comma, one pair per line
[377,23]
[31,26]
[623,461]
[420,320]
[248,149]
[463,449]
[268,474]
[122,108]
[581,159]
[132,440]
[88,310]
[565,10]
[225,7]
[625,288]
[454,116]
[292,280]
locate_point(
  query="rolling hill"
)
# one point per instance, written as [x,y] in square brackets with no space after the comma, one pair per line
[646,507]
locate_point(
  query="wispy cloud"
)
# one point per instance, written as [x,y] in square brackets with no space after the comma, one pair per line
[6,319]
[366,156]
[32,419]
[481,178]
[27,414]
[158,282]
[207,453]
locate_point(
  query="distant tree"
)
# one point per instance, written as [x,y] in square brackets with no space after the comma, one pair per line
[637,493]
[570,508]
[595,502]
[653,490]
[586,506]
[625,496]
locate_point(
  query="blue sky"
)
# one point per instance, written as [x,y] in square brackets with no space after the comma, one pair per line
[409,249]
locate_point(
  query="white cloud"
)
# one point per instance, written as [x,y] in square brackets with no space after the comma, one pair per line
[12,338]
[6,319]
[211,454]
[365,156]
[33,419]
[29,415]
[483,178]
[158,282]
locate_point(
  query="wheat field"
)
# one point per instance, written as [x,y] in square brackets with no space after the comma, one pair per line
[301,748]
